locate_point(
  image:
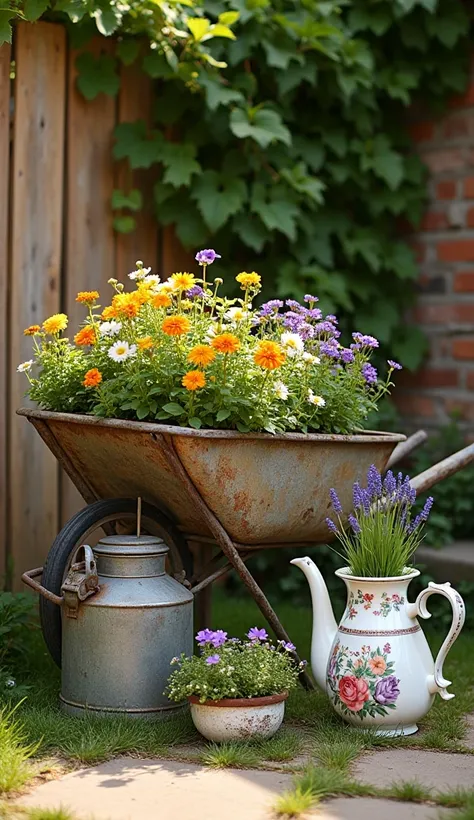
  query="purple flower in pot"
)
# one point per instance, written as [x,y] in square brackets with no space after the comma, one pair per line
[387,690]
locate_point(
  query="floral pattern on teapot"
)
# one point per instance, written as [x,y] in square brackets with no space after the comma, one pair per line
[368,601]
[363,683]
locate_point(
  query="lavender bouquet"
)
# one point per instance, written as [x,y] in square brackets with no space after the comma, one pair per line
[383,533]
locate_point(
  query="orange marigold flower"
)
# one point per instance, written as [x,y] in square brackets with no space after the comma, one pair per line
[183,281]
[108,313]
[269,355]
[92,378]
[145,343]
[176,325]
[225,343]
[32,330]
[248,280]
[161,300]
[126,305]
[87,297]
[55,323]
[86,336]
[201,355]
[194,380]
[142,295]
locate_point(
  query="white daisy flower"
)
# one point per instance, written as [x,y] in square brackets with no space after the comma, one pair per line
[121,351]
[25,366]
[292,343]
[308,357]
[212,331]
[139,273]
[281,390]
[10,683]
[236,314]
[110,328]
[317,400]
[152,280]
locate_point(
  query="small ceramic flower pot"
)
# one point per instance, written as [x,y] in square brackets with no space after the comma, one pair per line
[239,718]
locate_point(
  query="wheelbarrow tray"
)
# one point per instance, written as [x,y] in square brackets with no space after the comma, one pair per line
[265,490]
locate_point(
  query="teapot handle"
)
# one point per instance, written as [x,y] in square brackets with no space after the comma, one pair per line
[436,682]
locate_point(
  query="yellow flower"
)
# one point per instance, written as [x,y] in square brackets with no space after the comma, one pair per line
[183,281]
[32,330]
[161,300]
[176,325]
[92,378]
[269,355]
[248,280]
[126,304]
[108,313]
[225,343]
[145,344]
[201,355]
[87,297]
[55,323]
[194,380]
[86,336]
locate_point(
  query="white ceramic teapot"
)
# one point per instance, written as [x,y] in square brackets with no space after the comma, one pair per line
[377,666]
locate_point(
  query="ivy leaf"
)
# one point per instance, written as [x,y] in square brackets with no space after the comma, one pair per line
[295,75]
[33,9]
[76,10]
[133,200]
[133,142]
[96,75]
[107,20]
[198,26]
[128,51]
[250,231]
[157,66]
[277,212]
[400,258]
[217,93]
[264,126]
[124,224]
[218,198]
[219,31]
[228,18]
[280,56]
[180,162]
[309,150]
[389,167]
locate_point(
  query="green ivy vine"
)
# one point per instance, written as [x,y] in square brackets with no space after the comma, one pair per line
[285,145]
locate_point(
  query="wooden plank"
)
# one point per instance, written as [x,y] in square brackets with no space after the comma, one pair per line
[89,241]
[143,242]
[173,256]
[37,182]
[5,57]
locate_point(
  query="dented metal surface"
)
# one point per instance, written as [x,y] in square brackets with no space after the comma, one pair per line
[264,489]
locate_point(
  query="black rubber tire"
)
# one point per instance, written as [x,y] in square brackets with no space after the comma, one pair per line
[76,532]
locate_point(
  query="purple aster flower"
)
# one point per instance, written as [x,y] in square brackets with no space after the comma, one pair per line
[387,690]
[314,313]
[331,318]
[204,636]
[369,373]
[256,634]
[213,659]
[337,506]
[218,638]
[289,647]
[207,256]
[330,350]
[365,341]
[394,365]
[306,331]
[309,298]
[347,355]
[293,304]
[270,307]
[194,292]
[325,327]
[355,526]
[331,525]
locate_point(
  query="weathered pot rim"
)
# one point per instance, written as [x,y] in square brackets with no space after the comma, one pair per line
[346,575]
[233,703]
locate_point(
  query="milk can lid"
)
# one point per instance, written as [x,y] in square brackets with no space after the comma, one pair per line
[131,545]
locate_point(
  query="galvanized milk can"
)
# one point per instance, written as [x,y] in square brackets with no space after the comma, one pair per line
[124,619]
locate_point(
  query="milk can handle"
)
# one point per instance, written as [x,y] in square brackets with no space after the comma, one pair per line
[436,682]
[90,570]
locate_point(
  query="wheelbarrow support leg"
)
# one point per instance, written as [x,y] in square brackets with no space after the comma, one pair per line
[229,550]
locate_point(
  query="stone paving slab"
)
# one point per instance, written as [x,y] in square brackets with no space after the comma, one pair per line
[434,770]
[130,789]
[367,808]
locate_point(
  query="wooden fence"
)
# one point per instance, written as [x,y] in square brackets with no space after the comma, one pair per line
[56,237]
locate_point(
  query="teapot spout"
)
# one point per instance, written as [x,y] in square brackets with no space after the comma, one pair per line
[324,624]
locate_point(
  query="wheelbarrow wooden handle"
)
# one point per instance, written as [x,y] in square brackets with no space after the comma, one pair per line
[404,448]
[443,469]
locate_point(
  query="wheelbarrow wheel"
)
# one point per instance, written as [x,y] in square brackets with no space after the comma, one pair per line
[79,529]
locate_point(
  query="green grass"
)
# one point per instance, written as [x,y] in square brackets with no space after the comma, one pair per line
[13,812]
[294,802]
[231,754]
[410,790]
[15,751]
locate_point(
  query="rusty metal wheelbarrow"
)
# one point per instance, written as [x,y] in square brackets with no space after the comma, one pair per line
[241,492]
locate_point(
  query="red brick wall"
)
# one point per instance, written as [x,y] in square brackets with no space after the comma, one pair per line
[445,249]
